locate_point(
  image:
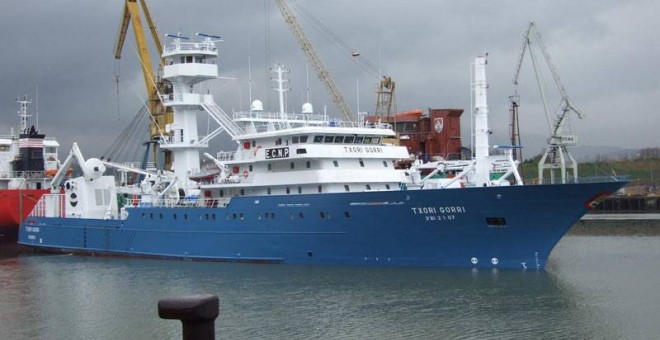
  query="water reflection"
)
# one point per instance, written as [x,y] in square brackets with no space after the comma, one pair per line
[101,298]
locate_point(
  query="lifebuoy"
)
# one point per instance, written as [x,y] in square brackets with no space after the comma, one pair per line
[245,174]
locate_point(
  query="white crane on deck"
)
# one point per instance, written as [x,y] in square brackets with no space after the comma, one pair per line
[556,153]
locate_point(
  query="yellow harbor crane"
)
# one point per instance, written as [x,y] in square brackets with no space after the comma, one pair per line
[315,60]
[160,115]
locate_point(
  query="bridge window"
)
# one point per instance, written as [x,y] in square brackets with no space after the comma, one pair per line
[318,139]
[294,139]
[303,139]
[359,139]
[339,139]
[328,139]
[367,140]
[349,139]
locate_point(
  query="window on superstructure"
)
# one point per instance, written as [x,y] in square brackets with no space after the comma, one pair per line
[349,139]
[339,139]
[385,164]
[308,164]
[328,139]
[270,167]
[361,163]
[268,191]
[335,163]
[368,187]
[189,59]
[359,139]
[242,192]
[222,193]
[300,214]
[250,167]
[320,188]
[293,165]
[49,149]
[387,186]
[278,141]
[254,143]
[300,190]
[318,139]
[294,139]
[303,139]
[367,140]
[346,188]
[288,190]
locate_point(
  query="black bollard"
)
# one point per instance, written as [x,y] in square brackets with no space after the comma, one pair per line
[196,312]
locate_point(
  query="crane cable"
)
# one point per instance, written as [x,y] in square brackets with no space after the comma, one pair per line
[363,62]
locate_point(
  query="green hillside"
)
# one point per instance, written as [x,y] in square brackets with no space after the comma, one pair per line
[646,170]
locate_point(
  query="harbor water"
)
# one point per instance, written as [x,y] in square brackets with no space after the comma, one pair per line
[595,287]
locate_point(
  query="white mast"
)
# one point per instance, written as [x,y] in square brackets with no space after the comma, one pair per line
[280,71]
[23,114]
[482,173]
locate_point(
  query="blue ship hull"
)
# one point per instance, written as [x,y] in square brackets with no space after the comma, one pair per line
[504,227]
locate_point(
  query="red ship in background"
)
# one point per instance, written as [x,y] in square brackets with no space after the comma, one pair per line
[28,160]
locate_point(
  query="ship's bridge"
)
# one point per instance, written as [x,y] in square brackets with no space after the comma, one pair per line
[196,61]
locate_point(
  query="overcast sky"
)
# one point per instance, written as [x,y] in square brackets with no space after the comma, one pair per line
[606,52]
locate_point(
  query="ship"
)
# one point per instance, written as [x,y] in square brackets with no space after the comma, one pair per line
[27,162]
[304,188]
